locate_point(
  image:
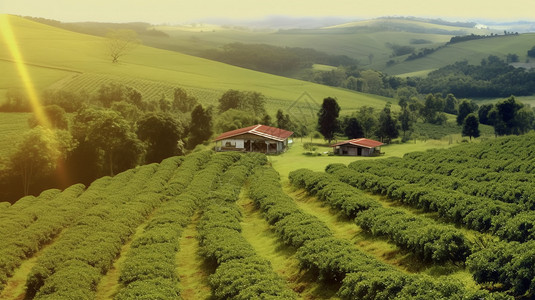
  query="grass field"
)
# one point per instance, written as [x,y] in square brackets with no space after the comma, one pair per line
[60,59]
[472,51]
[295,159]
[61,53]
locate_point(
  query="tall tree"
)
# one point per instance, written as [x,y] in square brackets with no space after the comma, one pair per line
[406,121]
[471,126]
[483,113]
[450,104]
[465,108]
[353,129]
[162,133]
[368,119]
[201,126]
[388,128]
[328,118]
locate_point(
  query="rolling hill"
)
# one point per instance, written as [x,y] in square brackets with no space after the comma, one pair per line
[58,59]
[368,41]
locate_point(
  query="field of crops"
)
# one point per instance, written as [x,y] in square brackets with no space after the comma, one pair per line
[12,126]
[441,224]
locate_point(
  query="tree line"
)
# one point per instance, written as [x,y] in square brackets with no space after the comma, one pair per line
[274,59]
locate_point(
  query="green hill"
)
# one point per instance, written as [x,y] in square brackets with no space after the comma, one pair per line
[57,58]
[472,51]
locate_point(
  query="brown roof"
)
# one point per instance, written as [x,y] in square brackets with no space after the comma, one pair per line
[362,142]
[269,132]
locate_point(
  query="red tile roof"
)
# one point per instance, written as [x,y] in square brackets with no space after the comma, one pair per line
[260,130]
[362,142]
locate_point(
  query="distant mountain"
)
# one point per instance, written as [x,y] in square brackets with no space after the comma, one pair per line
[280,22]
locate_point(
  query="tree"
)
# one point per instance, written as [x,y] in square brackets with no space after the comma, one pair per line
[465,108]
[531,52]
[108,139]
[284,121]
[162,133]
[110,93]
[388,128]
[405,120]
[450,104]
[57,118]
[120,42]
[39,153]
[353,129]
[483,113]
[368,119]
[182,101]
[252,102]
[201,126]
[510,117]
[328,118]
[234,119]
[471,126]
[229,100]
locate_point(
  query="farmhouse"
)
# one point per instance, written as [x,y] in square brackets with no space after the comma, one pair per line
[256,138]
[358,147]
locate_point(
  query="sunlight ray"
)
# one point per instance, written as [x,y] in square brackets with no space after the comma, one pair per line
[9,39]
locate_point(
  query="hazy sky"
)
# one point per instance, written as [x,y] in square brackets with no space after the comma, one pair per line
[181,11]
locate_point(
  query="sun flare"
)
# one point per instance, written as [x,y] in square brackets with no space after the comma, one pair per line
[16,56]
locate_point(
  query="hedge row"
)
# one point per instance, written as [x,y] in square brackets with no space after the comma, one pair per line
[74,264]
[362,276]
[24,232]
[485,215]
[507,266]
[149,270]
[423,237]
[240,272]
[511,187]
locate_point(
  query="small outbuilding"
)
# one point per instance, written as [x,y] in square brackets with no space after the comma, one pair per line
[256,138]
[358,147]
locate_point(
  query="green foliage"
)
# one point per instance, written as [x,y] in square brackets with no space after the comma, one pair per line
[430,241]
[388,127]
[531,52]
[274,60]
[55,117]
[235,119]
[95,240]
[509,264]
[353,129]
[492,78]
[328,118]
[465,108]
[39,153]
[252,102]
[240,273]
[182,101]
[163,135]
[200,127]
[511,117]
[471,126]
[104,131]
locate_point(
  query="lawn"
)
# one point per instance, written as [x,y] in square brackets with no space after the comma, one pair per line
[294,158]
